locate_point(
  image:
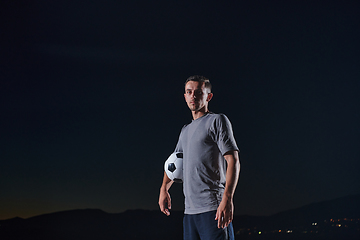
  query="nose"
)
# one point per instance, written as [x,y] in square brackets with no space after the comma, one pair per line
[192,95]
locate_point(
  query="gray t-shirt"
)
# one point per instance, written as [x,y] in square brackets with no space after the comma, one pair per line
[204,142]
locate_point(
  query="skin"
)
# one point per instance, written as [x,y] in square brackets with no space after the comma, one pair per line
[164,196]
[225,211]
[197,98]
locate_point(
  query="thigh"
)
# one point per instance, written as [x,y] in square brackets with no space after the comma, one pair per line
[190,229]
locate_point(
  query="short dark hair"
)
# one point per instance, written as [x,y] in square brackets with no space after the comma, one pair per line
[200,79]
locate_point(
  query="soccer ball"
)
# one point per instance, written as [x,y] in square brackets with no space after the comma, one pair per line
[174,167]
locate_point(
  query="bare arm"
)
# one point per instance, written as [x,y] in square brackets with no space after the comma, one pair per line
[164,196]
[225,211]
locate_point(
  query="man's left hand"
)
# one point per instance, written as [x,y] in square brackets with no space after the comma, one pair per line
[224,213]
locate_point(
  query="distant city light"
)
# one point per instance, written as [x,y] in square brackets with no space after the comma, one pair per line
[343,223]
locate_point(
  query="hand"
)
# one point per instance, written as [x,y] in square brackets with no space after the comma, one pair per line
[224,213]
[165,202]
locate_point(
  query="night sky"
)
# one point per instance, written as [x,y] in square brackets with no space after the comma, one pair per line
[92,100]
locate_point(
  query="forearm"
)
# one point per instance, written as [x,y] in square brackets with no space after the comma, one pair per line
[164,196]
[167,182]
[232,173]
[225,211]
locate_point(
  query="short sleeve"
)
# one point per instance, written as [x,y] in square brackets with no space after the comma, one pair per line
[223,134]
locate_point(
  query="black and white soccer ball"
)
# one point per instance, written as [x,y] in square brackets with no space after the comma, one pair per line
[174,167]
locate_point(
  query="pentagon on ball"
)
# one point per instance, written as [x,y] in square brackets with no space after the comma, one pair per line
[171,167]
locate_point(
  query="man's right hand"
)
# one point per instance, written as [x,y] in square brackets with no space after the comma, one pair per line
[165,201]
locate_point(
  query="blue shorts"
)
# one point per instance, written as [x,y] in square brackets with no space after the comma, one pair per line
[203,226]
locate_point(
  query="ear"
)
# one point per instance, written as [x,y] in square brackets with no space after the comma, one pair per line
[209,97]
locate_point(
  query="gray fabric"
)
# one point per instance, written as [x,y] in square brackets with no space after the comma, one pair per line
[204,142]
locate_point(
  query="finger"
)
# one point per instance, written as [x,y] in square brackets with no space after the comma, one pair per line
[226,224]
[165,211]
[226,220]
[167,207]
[169,202]
[229,217]
[220,220]
[163,208]
[217,215]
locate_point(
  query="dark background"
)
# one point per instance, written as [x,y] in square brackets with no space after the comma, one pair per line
[92,104]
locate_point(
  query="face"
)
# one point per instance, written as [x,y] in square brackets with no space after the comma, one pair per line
[197,96]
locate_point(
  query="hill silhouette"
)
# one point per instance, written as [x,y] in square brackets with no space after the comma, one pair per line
[335,219]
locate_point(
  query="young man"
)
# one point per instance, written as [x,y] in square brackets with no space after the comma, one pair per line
[211,168]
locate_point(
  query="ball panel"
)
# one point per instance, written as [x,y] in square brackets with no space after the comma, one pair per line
[177,180]
[171,167]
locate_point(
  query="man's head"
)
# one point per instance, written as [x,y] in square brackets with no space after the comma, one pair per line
[198,93]
[200,79]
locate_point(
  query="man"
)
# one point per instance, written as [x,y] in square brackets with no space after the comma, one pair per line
[211,168]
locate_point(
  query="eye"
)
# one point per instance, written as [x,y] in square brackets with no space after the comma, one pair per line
[199,92]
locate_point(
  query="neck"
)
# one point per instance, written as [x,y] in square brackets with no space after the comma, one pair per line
[200,113]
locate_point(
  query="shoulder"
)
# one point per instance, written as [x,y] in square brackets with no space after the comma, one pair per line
[182,129]
[219,117]
[221,122]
